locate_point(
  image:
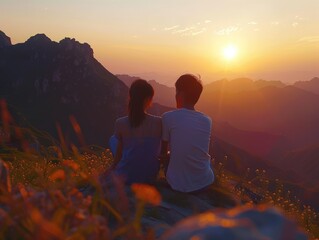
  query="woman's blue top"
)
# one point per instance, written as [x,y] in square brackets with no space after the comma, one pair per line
[139,162]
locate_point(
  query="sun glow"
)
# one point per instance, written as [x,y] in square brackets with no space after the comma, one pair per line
[230,52]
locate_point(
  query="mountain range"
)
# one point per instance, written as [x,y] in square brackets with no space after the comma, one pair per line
[310,86]
[256,124]
[272,121]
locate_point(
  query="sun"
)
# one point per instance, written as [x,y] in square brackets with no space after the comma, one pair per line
[230,52]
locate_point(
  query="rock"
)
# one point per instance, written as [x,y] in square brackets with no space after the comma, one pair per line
[177,206]
[190,216]
[244,222]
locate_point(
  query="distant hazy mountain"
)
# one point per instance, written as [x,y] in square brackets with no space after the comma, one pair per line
[48,81]
[289,112]
[306,160]
[238,160]
[239,85]
[127,79]
[311,86]
[163,94]
[271,123]
[259,144]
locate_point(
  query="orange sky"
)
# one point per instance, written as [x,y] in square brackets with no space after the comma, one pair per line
[275,40]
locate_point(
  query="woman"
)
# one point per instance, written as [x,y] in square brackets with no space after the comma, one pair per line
[136,142]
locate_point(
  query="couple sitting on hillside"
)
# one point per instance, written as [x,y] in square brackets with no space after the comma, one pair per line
[179,139]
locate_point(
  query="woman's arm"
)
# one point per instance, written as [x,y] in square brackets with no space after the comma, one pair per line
[118,153]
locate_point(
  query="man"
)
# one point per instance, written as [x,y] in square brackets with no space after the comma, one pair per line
[186,133]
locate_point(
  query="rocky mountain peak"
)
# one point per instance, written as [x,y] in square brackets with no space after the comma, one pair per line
[4,40]
[70,44]
[39,40]
[65,78]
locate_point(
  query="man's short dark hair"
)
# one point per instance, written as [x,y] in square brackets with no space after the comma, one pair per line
[190,86]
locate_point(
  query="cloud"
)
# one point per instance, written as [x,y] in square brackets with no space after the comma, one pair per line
[309,39]
[227,30]
[199,32]
[171,28]
[252,23]
[183,30]
[208,21]
[192,30]
[299,18]
[297,21]
[274,23]
[295,24]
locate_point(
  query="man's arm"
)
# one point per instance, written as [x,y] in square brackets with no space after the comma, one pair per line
[164,152]
[164,156]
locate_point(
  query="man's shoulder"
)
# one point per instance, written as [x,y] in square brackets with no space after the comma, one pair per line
[204,116]
[183,112]
[169,114]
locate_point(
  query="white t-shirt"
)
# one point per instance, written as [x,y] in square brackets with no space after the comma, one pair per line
[188,134]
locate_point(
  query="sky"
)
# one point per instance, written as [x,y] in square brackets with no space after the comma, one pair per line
[273,39]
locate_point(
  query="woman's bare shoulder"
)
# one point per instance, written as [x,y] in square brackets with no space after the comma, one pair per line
[122,121]
[154,118]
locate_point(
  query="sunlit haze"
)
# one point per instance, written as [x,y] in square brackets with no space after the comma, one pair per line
[272,40]
[230,52]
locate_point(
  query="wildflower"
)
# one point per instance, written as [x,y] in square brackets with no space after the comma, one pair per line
[81,214]
[4,175]
[57,175]
[71,164]
[87,201]
[146,193]
[23,191]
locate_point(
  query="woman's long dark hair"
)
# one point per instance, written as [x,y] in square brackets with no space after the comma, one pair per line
[140,91]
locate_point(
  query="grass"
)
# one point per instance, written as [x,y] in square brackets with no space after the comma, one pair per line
[255,187]
[45,202]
